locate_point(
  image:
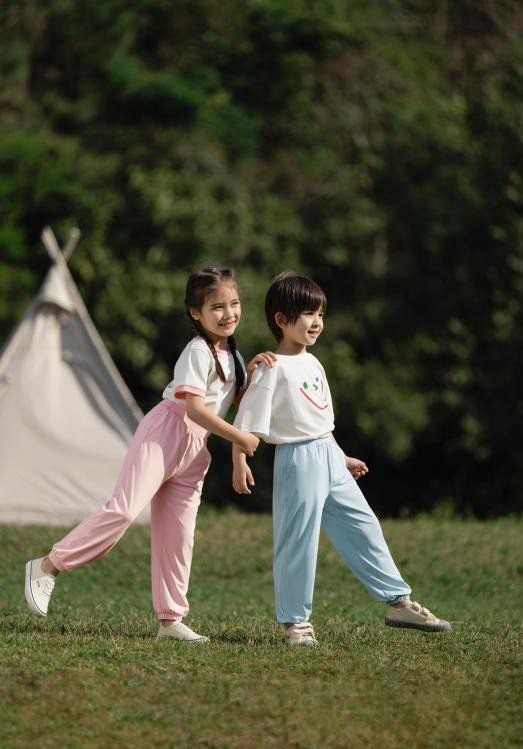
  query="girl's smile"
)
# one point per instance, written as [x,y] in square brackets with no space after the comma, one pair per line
[220,313]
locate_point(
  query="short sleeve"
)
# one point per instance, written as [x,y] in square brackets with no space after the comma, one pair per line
[255,409]
[192,370]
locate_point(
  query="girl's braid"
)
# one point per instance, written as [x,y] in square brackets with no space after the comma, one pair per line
[238,369]
[203,333]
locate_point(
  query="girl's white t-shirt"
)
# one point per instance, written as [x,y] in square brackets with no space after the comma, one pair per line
[195,372]
[290,402]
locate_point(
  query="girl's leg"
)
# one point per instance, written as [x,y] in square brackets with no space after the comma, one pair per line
[173,520]
[357,536]
[143,472]
[299,491]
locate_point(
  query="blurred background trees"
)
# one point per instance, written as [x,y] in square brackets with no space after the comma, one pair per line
[375,146]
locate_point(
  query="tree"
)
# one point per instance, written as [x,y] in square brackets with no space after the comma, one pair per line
[374,147]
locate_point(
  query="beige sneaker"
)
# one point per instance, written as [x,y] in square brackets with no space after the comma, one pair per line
[414,616]
[301,633]
[180,631]
[38,587]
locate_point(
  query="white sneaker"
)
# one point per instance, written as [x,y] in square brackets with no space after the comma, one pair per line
[38,587]
[180,631]
[415,616]
[300,633]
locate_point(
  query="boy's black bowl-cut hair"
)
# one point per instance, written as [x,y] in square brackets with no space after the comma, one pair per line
[291,295]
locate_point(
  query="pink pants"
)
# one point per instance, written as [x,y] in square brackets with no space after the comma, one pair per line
[165,465]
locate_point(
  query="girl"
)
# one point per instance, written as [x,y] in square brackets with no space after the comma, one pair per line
[167,460]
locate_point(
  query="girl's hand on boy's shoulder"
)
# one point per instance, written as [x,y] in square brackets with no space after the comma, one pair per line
[357,468]
[266,357]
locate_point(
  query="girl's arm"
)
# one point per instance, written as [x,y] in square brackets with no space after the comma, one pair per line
[197,411]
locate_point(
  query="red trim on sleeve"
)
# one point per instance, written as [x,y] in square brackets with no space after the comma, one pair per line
[182,390]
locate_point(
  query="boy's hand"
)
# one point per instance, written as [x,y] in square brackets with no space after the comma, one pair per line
[242,477]
[356,467]
[241,473]
[266,357]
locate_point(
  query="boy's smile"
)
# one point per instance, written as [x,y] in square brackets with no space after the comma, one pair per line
[303,332]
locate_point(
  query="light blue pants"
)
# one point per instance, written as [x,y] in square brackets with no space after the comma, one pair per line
[313,489]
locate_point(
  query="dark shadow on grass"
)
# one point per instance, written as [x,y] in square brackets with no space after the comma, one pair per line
[243,637]
[104,630]
[72,628]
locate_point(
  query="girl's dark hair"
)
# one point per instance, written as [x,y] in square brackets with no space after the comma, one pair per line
[291,295]
[199,285]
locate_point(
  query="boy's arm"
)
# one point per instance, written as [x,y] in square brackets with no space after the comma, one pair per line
[242,476]
[265,357]
[254,416]
[356,467]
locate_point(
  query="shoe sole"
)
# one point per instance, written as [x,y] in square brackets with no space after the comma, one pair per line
[29,593]
[201,641]
[308,644]
[423,627]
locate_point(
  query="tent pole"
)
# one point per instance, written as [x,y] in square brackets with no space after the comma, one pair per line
[53,248]
[72,241]
[51,245]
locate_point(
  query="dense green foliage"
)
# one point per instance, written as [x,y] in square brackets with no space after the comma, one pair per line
[92,675]
[376,146]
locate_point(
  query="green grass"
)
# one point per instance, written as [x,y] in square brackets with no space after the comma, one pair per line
[92,674]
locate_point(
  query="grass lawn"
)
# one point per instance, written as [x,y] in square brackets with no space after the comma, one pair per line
[92,674]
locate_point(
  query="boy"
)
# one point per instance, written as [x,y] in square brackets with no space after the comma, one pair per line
[289,405]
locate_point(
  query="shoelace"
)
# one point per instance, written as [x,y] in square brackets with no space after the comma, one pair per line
[420,609]
[181,627]
[305,629]
[48,585]
[185,630]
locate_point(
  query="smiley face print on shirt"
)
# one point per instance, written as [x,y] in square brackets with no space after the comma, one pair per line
[314,391]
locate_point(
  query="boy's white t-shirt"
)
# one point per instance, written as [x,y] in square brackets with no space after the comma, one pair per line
[195,372]
[290,402]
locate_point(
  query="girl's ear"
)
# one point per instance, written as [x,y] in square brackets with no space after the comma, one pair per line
[194,313]
[280,319]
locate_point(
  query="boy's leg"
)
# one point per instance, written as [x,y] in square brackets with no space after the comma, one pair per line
[357,536]
[300,488]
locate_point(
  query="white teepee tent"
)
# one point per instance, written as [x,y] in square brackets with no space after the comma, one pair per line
[66,415]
